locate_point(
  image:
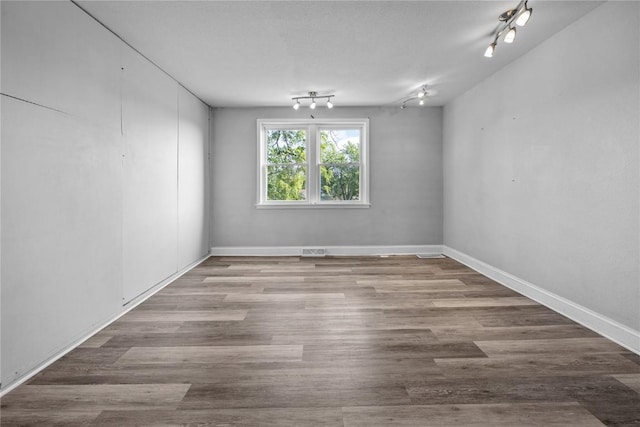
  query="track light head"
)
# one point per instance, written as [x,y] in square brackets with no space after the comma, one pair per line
[511,35]
[523,18]
[313,104]
[490,49]
[296,105]
[329,103]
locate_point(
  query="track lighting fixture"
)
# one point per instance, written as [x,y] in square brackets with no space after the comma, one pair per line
[420,96]
[312,96]
[510,36]
[519,16]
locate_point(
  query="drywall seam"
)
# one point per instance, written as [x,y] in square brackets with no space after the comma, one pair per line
[75,3]
[32,103]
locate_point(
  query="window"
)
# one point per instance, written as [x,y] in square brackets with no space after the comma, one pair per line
[312,163]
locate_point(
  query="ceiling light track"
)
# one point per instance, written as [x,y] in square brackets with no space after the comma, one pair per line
[312,96]
[420,96]
[519,16]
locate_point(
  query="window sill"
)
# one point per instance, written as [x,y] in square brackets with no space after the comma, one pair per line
[314,206]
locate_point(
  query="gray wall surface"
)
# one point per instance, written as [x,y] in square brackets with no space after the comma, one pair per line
[80,137]
[541,165]
[405,159]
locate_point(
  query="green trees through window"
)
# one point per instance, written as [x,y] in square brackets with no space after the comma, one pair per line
[340,164]
[286,164]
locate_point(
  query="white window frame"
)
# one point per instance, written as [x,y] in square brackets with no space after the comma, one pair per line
[312,128]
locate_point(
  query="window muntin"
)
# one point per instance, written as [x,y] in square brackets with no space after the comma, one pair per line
[312,163]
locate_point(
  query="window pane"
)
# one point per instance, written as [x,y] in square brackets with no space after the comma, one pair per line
[340,146]
[286,146]
[339,182]
[286,182]
[312,162]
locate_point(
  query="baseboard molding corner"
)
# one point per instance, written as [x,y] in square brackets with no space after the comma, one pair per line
[603,325]
[366,250]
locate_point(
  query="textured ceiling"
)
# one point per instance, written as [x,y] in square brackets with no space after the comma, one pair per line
[369,53]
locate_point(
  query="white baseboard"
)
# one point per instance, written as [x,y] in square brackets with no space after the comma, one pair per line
[125,309]
[615,331]
[329,250]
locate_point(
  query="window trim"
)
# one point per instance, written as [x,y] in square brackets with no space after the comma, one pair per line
[312,127]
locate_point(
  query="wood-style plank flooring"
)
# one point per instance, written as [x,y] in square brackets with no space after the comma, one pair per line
[357,341]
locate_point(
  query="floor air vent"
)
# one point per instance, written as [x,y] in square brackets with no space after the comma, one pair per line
[313,252]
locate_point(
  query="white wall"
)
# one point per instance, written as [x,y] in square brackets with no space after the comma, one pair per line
[193,179]
[541,166]
[150,127]
[89,179]
[405,179]
[0,212]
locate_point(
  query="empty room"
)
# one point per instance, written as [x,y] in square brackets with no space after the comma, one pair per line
[320,213]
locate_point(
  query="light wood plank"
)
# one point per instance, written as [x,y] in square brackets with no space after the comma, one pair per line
[273,297]
[219,354]
[630,380]
[96,341]
[185,316]
[95,397]
[548,346]
[484,302]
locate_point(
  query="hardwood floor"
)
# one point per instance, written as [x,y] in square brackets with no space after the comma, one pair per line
[397,341]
